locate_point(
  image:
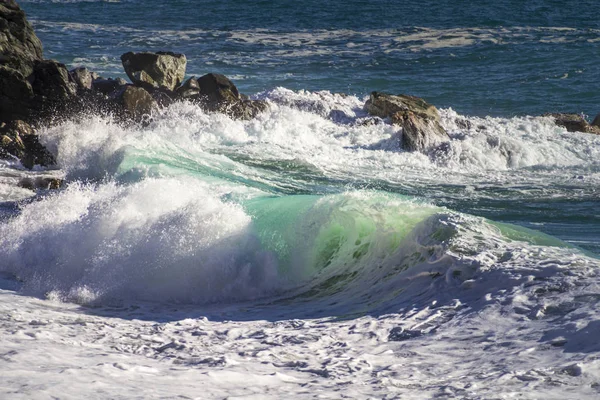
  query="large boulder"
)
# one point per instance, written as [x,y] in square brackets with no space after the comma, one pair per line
[19,46]
[164,70]
[574,122]
[420,121]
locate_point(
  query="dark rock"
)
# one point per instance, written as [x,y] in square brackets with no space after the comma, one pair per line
[218,94]
[17,140]
[137,103]
[164,70]
[418,133]
[19,46]
[108,86]
[462,123]
[163,97]
[399,334]
[574,122]
[218,89]
[50,81]
[82,77]
[16,95]
[189,89]
[596,121]
[420,121]
[41,183]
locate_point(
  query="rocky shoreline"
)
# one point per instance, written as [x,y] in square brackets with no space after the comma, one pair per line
[35,92]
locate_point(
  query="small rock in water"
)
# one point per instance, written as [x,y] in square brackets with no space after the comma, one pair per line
[575,122]
[420,121]
[399,334]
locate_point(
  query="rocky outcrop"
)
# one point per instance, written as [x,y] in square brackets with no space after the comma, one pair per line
[163,70]
[575,122]
[420,121]
[20,48]
[18,141]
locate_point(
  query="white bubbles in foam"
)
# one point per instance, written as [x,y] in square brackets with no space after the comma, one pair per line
[160,239]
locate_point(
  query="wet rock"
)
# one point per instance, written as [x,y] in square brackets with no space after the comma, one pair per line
[596,121]
[399,334]
[218,94]
[82,77]
[574,122]
[108,86]
[16,95]
[418,133]
[386,105]
[189,89]
[137,102]
[420,121]
[164,70]
[41,183]
[50,81]
[17,140]
[19,45]
[217,88]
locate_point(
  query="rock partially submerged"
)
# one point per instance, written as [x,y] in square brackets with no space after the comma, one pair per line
[420,121]
[576,122]
[218,94]
[161,70]
[18,141]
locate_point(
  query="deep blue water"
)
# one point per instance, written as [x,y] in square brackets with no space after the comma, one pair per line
[500,58]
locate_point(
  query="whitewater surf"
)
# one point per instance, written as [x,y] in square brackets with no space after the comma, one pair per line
[305,253]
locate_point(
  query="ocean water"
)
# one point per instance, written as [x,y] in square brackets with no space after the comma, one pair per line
[305,251]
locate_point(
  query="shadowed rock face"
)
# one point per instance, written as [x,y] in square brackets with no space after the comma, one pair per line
[162,70]
[420,121]
[19,46]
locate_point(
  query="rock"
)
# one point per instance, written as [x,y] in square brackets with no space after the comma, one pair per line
[189,89]
[164,70]
[50,81]
[82,77]
[399,334]
[386,105]
[574,122]
[596,121]
[19,141]
[16,95]
[418,133]
[41,183]
[108,86]
[218,89]
[19,46]
[137,102]
[218,94]
[420,121]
